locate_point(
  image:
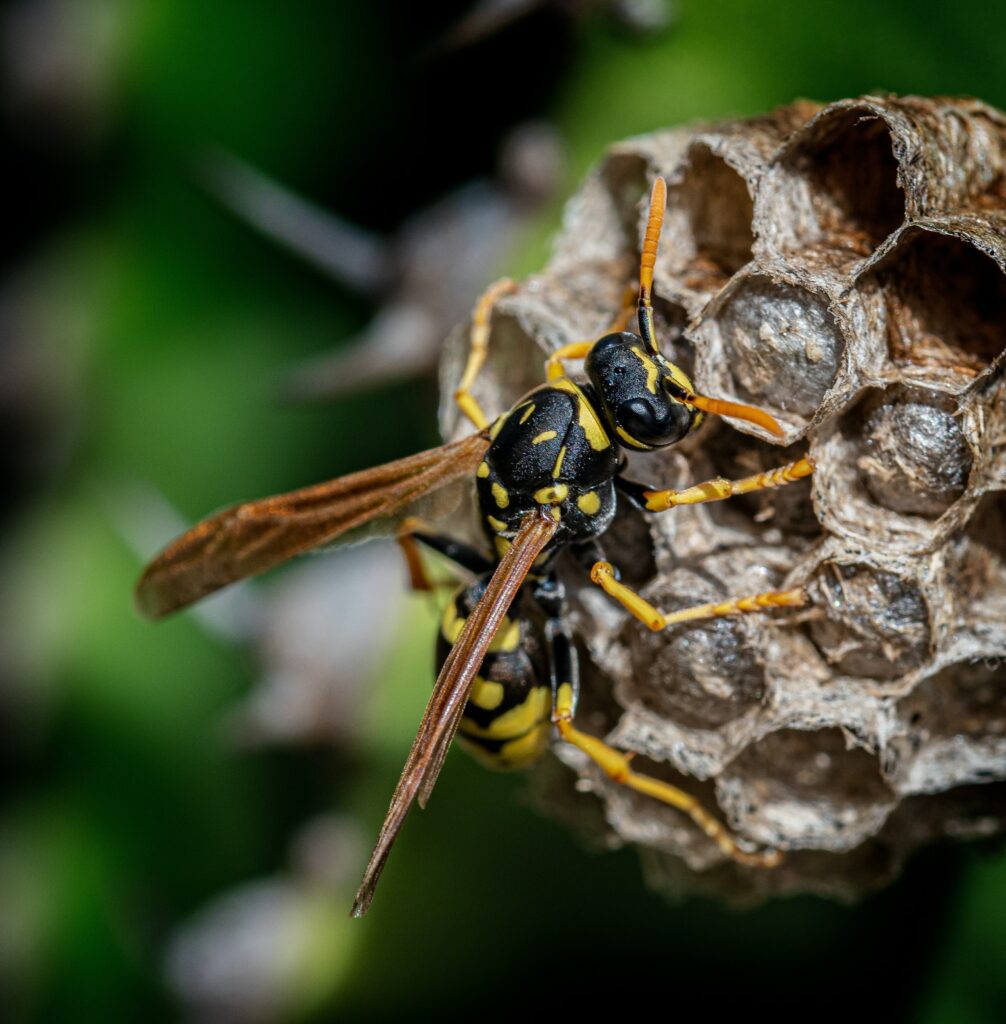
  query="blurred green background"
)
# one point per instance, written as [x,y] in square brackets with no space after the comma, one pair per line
[145,331]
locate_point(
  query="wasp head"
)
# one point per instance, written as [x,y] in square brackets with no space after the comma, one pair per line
[640,393]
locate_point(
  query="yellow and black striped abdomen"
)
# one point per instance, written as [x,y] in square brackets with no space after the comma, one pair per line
[507,720]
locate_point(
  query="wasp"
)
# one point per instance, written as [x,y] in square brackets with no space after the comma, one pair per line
[548,475]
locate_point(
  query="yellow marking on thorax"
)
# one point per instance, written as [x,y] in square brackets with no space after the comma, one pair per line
[589,503]
[502,546]
[557,468]
[528,409]
[497,525]
[497,426]
[650,366]
[551,495]
[500,495]
[483,471]
[545,435]
[555,513]
[515,722]
[589,423]
[486,694]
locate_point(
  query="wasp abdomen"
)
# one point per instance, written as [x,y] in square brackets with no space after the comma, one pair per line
[507,720]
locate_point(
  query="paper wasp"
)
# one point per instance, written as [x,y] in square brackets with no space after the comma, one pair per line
[548,474]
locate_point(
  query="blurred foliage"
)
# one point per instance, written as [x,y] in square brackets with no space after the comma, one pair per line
[154,326]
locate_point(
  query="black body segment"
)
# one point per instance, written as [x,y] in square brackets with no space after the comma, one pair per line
[550,450]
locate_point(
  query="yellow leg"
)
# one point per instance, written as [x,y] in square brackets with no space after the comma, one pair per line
[579,349]
[616,765]
[718,489]
[603,574]
[574,350]
[478,347]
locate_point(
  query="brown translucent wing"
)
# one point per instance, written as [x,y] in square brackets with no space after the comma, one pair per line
[247,539]
[447,703]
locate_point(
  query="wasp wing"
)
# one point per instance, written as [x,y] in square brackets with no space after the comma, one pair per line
[247,539]
[447,703]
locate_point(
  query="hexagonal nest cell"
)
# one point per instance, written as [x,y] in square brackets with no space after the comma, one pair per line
[875,624]
[954,728]
[702,676]
[914,457]
[851,179]
[787,510]
[892,466]
[945,302]
[781,342]
[625,180]
[842,271]
[709,220]
[977,562]
[806,790]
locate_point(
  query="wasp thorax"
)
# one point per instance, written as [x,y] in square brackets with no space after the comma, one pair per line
[633,388]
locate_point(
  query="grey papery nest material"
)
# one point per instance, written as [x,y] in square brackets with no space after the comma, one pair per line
[843,268]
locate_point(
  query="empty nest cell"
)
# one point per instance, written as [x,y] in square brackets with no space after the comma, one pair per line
[945,302]
[670,321]
[853,195]
[782,344]
[787,509]
[709,220]
[955,728]
[979,568]
[875,624]
[803,789]
[625,177]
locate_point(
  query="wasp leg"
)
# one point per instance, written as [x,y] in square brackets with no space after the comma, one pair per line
[616,764]
[604,575]
[574,350]
[412,532]
[717,489]
[478,347]
[579,349]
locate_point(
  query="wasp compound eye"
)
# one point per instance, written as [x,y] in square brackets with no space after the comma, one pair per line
[654,422]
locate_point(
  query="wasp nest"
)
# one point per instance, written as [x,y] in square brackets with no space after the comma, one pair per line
[843,268]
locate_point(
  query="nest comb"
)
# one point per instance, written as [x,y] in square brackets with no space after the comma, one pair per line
[843,268]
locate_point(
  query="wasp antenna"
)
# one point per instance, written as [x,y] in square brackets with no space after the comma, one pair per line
[738,411]
[654,222]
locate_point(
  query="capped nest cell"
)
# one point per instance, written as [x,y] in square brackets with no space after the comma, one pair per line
[843,268]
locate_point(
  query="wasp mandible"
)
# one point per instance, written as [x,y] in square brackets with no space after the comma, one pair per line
[548,476]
